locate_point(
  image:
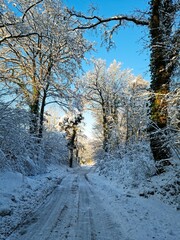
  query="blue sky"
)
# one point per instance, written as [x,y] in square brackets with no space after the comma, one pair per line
[130,41]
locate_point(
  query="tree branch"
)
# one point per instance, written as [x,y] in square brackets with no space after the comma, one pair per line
[98,20]
[5,25]
[24,15]
[18,36]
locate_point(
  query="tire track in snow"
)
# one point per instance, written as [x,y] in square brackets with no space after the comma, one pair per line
[83,229]
[94,223]
[66,225]
[73,211]
[28,215]
[47,218]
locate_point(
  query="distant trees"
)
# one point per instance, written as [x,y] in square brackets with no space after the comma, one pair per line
[164,45]
[136,108]
[70,125]
[117,98]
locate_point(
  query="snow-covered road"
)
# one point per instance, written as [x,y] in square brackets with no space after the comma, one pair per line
[85,206]
[73,211]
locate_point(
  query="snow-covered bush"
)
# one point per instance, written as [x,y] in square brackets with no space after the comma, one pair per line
[55,148]
[17,146]
[22,152]
[130,165]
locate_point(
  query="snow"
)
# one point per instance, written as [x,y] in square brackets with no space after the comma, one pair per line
[88,204]
[19,195]
[141,218]
[135,170]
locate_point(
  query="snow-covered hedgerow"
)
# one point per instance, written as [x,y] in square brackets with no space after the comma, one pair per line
[130,165]
[165,186]
[20,151]
[133,167]
[17,148]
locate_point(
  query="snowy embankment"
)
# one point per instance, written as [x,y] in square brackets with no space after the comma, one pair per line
[165,186]
[141,218]
[135,170]
[21,195]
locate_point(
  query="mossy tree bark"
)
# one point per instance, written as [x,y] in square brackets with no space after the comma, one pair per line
[160,32]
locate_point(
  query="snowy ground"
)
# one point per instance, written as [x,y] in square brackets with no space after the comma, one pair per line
[81,205]
[20,196]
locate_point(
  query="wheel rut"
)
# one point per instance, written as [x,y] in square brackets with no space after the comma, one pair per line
[73,211]
[94,222]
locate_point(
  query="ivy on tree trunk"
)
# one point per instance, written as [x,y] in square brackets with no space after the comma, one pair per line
[160,32]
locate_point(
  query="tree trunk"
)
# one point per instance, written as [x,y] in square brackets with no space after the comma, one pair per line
[41,118]
[127,124]
[71,146]
[71,155]
[105,130]
[160,81]
[114,111]
[34,106]
[34,112]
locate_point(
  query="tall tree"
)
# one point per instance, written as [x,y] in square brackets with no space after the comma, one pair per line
[42,66]
[101,92]
[162,67]
[161,21]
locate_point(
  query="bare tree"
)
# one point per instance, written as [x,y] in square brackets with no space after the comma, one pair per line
[43,66]
[113,94]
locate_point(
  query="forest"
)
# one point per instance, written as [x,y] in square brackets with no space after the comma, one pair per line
[136,131]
